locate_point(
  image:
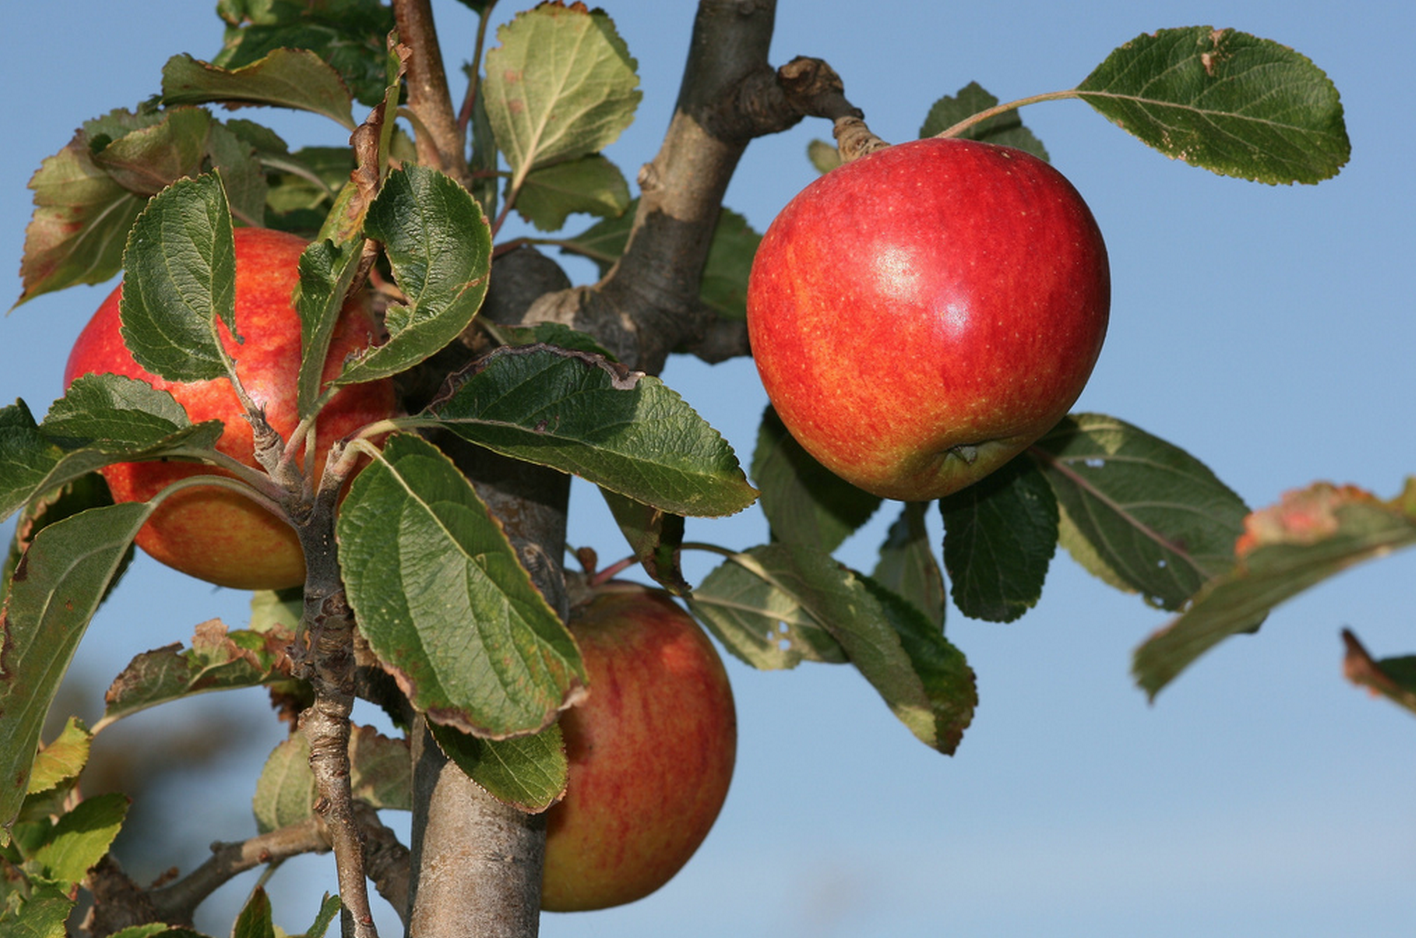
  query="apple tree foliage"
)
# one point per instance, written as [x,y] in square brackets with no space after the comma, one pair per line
[443,598]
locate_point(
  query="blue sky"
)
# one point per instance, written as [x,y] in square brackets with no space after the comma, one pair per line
[1267,330]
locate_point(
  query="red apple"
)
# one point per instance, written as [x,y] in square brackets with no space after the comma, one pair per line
[651,751]
[921,315]
[212,533]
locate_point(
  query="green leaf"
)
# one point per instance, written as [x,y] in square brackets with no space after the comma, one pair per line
[87,196]
[242,174]
[440,246]
[290,78]
[760,622]
[655,537]
[561,85]
[1393,678]
[56,588]
[723,285]
[1312,534]
[1136,511]
[328,913]
[80,838]
[908,567]
[103,419]
[254,920]
[381,774]
[1224,100]
[62,760]
[85,492]
[41,915]
[922,678]
[217,660]
[583,414]
[180,281]
[805,502]
[326,273]
[590,184]
[286,790]
[528,773]
[444,602]
[824,156]
[351,35]
[999,537]
[1003,129]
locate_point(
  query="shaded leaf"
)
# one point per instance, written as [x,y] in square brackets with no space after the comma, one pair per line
[326,273]
[1232,103]
[328,914]
[583,414]
[561,85]
[217,660]
[1392,678]
[922,678]
[590,184]
[87,195]
[1312,534]
[241,173]
[444,602]
[103,419]
[999,537]
[908,567]
[440,247]
[528,773]
[1139,513]
[1003,129]
[351,35]
[380,774]
[655,537]
[805,502]
[286,790]
[290,78]
[85,492]
[180,281]
[255,920]
[760,622]
[723,285]
[55,590]
[41,915]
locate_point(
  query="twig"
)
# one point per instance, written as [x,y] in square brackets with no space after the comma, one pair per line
[428,97]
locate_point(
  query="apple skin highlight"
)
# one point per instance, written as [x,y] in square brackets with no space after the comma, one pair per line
[921,315]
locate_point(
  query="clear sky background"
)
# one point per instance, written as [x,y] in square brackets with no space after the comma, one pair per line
[1267,330]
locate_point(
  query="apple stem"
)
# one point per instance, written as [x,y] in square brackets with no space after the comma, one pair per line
[994,111]
[854,139]
[613,570]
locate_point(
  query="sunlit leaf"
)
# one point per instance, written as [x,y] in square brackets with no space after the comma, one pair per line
[80,838]
[527,772]
[291,78]
[445,603]
[590,184]
[180,281]
[583,414]
[561,85]
[326,272]
[1232,103]
[440,247]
